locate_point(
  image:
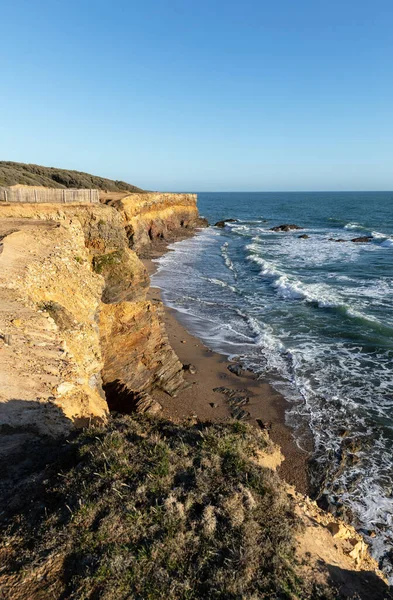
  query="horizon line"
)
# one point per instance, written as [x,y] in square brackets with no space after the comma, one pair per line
[277,191]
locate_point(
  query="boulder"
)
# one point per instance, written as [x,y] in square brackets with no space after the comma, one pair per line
[362,239]
[285,227]
[224,222]
[189,369]
[236,369]
[304,236]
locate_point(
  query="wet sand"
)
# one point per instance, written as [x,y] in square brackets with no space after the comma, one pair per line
[200,401]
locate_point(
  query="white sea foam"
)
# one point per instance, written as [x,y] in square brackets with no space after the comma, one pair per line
[227,259]
[353,226]
[336,382]
[220,283]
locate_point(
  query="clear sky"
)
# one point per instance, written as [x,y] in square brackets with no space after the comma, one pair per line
[204,94]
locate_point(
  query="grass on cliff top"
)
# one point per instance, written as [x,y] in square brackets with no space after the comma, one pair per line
[146,509]
[12,173]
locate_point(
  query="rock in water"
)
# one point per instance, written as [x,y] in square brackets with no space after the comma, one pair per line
[223,223]
[285,227]
[304,236]
[362,239]
[236,369]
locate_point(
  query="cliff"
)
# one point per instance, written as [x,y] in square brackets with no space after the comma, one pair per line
[152,217]
[74,306]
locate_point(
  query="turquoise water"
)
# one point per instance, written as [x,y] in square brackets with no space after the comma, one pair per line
[313,316]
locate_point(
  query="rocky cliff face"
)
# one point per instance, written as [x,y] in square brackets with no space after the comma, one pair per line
[151,217]
[50,356]
[75,318]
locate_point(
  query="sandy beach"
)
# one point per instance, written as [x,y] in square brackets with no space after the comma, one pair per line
[200,401]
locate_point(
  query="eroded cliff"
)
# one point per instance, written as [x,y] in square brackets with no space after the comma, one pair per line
[50,366]
[74,303]
[154,216]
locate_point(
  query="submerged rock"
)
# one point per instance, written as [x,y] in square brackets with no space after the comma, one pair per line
[285,227]
[304,236]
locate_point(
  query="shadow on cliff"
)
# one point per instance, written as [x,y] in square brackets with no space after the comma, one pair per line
[33,435]
[360,585]
[119,397]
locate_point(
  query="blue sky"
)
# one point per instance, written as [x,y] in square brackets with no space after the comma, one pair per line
[207,95]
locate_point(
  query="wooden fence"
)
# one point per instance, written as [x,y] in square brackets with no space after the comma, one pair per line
[49,195]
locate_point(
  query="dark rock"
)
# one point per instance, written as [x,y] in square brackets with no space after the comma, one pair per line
[239,414]
[339,240]
[285,227]
[213,404]
[265,426]
[222,390]
[236,369]
[304,236]
[189,369]
[238,400]
[362,239]
[202,222]
[229,392]
[223,223]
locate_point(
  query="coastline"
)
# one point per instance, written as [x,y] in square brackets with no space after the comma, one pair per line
[199,400]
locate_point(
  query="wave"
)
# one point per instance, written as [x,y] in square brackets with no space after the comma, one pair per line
[292,289]
[227,259]
[316,294]
[354,226]
[221,283]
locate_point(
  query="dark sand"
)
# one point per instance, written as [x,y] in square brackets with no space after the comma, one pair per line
[211,372]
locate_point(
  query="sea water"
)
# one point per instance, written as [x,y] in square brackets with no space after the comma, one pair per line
[315,317]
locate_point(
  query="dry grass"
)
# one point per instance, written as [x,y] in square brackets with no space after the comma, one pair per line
[146,509]
[12,173]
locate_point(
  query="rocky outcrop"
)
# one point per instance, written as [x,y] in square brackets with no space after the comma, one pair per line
[362,239]
[152,217]
[285,227]
[137,353]
[221,224]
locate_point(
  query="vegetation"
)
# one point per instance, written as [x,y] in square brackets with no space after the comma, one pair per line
[12,173]
[104,261]
[146,509]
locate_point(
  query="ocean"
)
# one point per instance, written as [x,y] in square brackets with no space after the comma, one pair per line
[314,317]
